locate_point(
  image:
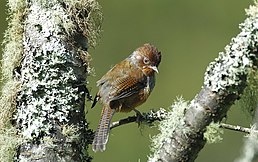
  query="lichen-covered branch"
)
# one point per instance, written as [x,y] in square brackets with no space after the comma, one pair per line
[153,116]
[49,73]
[182,133]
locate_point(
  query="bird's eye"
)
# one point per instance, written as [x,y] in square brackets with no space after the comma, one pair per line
[146,60]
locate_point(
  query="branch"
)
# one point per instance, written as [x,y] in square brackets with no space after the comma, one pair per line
[238,128]
[182,134]
[148,118]
[152,116]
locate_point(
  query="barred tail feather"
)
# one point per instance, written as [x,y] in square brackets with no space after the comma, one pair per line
[101,134]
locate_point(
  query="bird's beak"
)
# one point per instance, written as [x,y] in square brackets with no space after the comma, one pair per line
[154,68]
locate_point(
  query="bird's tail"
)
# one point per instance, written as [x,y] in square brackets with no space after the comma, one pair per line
[101,134]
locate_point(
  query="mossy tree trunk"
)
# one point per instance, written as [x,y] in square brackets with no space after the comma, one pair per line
[49,76]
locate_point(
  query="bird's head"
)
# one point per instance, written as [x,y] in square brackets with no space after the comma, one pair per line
[147,58]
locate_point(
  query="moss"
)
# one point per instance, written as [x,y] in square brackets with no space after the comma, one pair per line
[87,20]
[173,121]
[8,142]
[88,17]
[12,53]
[70,132]
[12,56]
[213,133]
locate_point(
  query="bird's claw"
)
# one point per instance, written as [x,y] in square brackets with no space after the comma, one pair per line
[139,117]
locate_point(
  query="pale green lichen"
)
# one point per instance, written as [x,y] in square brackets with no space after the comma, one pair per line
[70,132]
[12,52]
[213,133]
[174,120]
[12,55]
[252,10]
[9,140]
[229,68]
[15,6]
[41,78]
[49,142]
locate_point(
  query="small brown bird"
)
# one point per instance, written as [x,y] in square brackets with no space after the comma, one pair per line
[127,85]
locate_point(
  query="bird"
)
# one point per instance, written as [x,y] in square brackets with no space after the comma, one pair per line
[124,87]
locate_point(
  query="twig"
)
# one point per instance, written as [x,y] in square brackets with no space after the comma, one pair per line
[237,128]
[149,118]
[127,120]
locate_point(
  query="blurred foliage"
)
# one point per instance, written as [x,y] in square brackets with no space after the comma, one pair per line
[189,34]
[249,99]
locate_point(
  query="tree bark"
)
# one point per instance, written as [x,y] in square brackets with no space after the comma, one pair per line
[50,77]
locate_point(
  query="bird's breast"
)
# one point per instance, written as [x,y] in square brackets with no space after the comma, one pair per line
[150,83]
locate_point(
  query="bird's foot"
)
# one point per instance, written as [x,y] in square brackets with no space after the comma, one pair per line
[139,117]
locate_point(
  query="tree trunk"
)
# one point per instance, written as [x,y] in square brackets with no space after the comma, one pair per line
[49,76]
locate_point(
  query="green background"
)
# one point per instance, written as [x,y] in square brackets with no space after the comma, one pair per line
[190,34]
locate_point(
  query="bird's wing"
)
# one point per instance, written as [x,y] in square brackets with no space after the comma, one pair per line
[128,86]
[122,81]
